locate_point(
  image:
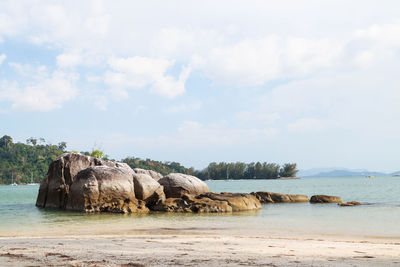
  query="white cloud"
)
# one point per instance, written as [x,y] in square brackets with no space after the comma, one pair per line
[254,62]
[388,33]
[43,94]
[2,58]
[68,60]
[140,72]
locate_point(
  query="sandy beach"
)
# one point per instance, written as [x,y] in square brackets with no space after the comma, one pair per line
[195,248]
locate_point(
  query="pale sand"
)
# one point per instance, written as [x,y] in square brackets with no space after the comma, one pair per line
[195,248]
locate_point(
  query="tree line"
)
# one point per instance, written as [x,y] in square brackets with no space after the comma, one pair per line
[253,170]
[29,162]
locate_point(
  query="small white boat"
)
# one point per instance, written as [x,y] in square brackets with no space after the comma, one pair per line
[12,180]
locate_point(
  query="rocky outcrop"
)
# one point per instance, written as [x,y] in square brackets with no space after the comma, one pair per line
[55,188]
[325,199]
[349,204]
[155,175]
[148,189]
[210,202]
[270,197]
[176,185]
[82,183]
[103,188]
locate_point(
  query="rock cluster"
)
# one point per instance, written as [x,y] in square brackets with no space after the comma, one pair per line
[82,183]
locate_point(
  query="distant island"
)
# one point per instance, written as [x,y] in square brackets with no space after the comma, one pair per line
[341,172]
[28,162]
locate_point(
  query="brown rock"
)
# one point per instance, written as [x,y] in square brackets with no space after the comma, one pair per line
[148,189]
[155,175]
[103,188]
[351,203]
[270,197]
[325,199]
[238,202]
[177,184]
[189,203]
[55,187]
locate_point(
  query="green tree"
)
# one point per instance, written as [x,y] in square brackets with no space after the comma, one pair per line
[5,141]
[97,154]
[62,146]
[288,170]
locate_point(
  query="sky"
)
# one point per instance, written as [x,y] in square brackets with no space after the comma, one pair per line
[311,82]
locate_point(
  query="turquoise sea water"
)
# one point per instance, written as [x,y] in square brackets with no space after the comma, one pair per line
[378,217]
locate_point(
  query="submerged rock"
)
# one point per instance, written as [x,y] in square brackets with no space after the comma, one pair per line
[177,184]
[148,189]
[103,188]
[210,202]
[238,202]
[270,197]
[348,204]
[189,203]
[325,199]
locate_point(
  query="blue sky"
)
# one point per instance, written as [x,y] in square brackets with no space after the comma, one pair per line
[312,82]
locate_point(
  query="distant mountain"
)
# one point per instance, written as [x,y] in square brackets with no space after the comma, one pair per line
[340,172]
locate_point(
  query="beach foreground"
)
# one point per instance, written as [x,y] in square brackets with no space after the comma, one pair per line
[192,248]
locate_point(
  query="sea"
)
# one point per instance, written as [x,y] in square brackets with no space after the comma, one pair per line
[377,218]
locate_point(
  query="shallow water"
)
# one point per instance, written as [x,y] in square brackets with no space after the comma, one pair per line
[379,217]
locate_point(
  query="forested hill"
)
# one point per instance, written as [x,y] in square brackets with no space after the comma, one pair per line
[20,162]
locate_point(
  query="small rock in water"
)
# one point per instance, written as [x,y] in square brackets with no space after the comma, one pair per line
[325,199]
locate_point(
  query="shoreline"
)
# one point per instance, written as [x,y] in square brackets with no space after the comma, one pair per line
[194,248]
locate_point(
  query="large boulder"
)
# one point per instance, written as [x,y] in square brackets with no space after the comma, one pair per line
[55,187]
[103,188]
[177,184]
[155,175]
[270,197]
[325,199]
[148,189]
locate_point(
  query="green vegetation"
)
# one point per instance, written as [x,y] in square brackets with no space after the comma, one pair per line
[241,170]
[97,154]
[158,166]
[19,162]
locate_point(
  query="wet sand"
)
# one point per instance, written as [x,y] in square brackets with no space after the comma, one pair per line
[194,248]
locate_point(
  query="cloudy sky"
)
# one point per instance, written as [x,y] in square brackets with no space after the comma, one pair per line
[312,82]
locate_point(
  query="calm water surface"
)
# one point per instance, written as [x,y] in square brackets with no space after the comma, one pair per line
[379,217]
